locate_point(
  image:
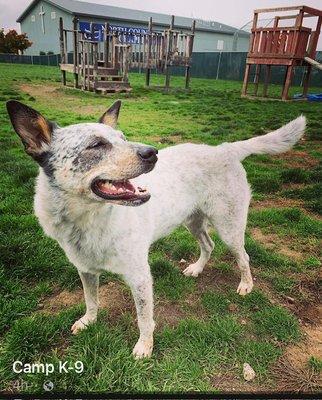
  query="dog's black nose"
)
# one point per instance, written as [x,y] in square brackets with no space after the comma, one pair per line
[148,154]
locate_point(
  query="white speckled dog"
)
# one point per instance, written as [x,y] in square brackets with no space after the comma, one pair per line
[90,178]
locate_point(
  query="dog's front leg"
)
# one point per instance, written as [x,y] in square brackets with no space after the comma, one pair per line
[90,285]
[141,287]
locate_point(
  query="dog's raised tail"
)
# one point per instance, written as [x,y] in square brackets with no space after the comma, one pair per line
[274,142]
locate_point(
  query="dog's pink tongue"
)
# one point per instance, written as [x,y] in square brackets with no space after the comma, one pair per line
[116,187]
[125,186]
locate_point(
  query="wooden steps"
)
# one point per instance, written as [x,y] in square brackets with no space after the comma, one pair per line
[110,86]
[100,70]
[108,77]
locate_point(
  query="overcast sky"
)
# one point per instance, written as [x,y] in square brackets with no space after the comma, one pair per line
[231,12]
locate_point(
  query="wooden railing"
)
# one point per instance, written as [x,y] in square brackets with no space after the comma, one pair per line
[279,42]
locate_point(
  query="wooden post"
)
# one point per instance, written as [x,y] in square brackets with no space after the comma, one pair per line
[62,48]
[276,21]
[191,39]
[148,66]
[245,83]
[306,80]
[298,25]
[139,51]
[95,64]
[126,55]
[113,42]
[287,83]
[311,51]
[75,55]
[83,64]
[66,46]
[116,57]
[299,19]
[255,19]
[256,79]
[105,41]
[267,79]
[87,66]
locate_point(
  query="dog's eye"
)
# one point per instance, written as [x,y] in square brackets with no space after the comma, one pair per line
[96,145]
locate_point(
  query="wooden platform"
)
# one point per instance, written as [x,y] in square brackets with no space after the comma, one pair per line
[289,46]
[101,70]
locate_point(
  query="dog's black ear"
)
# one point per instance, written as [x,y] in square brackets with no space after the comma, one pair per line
[110,116]
[34,130]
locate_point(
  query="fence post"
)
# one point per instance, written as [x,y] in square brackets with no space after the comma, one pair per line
[169,51]
[187,72]
[218,67]
[148,66]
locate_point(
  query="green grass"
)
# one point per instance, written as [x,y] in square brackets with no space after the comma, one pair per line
[316,364]
[203,326]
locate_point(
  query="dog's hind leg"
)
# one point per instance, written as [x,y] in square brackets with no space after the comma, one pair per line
[90,284]
[230,220]
[235,241]
[197,224]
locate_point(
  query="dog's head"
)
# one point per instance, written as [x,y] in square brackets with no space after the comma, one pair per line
[90,159]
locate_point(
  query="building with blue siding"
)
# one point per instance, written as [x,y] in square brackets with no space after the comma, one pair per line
[40,22]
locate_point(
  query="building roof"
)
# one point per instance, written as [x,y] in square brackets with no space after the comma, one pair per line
[105,11]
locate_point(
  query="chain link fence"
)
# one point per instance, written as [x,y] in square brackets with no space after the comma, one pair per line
[216,65]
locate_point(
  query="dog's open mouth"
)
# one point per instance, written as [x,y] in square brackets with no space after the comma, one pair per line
[120,190]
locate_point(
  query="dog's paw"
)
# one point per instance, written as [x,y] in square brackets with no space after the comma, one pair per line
[81,324]
[245,287]
[143,349]
[193,270]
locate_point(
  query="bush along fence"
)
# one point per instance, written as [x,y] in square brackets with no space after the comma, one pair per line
[215,65]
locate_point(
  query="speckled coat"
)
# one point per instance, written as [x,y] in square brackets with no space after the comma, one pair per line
[191,184]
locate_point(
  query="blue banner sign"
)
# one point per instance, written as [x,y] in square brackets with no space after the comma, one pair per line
[131,34]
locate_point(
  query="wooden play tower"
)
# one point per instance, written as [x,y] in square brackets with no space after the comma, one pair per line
[164,50]
[102,65]
[290,46]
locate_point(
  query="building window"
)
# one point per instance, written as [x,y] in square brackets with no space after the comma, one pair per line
[53,15]
[220,45]
[33,18]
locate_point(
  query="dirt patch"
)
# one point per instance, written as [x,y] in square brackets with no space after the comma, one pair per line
[168,314]
[295,380]
[273,241]
[282,202]
[112,297]
[276,202]
[299,354]
[52,94]
[230,382]
[40,90]
[219,281]
[116,300]
[292,371]
[298,159]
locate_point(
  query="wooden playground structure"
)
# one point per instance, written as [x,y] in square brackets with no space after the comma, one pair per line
[289,46]
[102,65]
